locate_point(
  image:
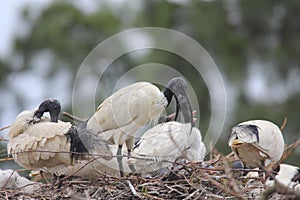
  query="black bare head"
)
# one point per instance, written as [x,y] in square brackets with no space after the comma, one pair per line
[50,105]
[177,87]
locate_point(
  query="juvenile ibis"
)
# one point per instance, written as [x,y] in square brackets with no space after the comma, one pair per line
[287,175]
[40,143]
[122,114]
[165,143]
[257,143]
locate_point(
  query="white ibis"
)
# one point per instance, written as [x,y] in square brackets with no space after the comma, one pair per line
[165,143]
[287,175]
[120,116]
[38,143]
[97,168]
[257,143]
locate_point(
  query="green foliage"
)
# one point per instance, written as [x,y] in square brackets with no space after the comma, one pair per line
[234,33]
[66,32]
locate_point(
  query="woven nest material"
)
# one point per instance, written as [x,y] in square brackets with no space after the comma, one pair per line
[189,181]
[186,181]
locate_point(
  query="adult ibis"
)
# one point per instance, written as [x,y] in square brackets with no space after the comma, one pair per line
[121,115]
[165,143]
[40,143]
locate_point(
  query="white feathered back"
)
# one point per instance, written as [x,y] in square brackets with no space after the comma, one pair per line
[22,121]
[168,142]
[119,117]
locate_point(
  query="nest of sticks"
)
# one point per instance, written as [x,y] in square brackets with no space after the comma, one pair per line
[185,181]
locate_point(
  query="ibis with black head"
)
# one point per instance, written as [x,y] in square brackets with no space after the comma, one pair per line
[122,114]
[39,143]
[166,143]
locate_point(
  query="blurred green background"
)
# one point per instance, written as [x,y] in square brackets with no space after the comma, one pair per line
[255,44]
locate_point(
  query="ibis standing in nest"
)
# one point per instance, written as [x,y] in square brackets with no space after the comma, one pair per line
[40,143]
[257,143]
[168,142]
[122,114]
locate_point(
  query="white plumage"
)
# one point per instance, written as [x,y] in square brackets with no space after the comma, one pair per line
[257,143]
[122,114]
[285,174]
[39,143]
[288,175]
[119,117]
[38,146]
[165,143]
[23,121]
[10,179]
[172,141]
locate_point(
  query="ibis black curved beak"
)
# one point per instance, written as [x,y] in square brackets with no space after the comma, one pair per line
[177,87]
[50,105]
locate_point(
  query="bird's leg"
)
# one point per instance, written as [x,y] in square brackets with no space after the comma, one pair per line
[54,179]
[119,158]
[60,181]
[129,152]
[42,175]
[131,166]
[265,174]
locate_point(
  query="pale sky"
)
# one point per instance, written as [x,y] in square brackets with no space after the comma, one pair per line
[11,22]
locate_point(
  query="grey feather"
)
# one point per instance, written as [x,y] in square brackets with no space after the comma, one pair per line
[245,133]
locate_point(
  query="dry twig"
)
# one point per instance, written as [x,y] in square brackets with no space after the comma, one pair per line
[192,181]
[73,117]
[5,127]
[283,124]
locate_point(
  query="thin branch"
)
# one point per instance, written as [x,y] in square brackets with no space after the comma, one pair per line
[220,186]
[4,185]
[132,189]
[5,127]
[73,117]
[192,194]
[289,150]
[2,139]
[5,159]
[280,189]
[283,124]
